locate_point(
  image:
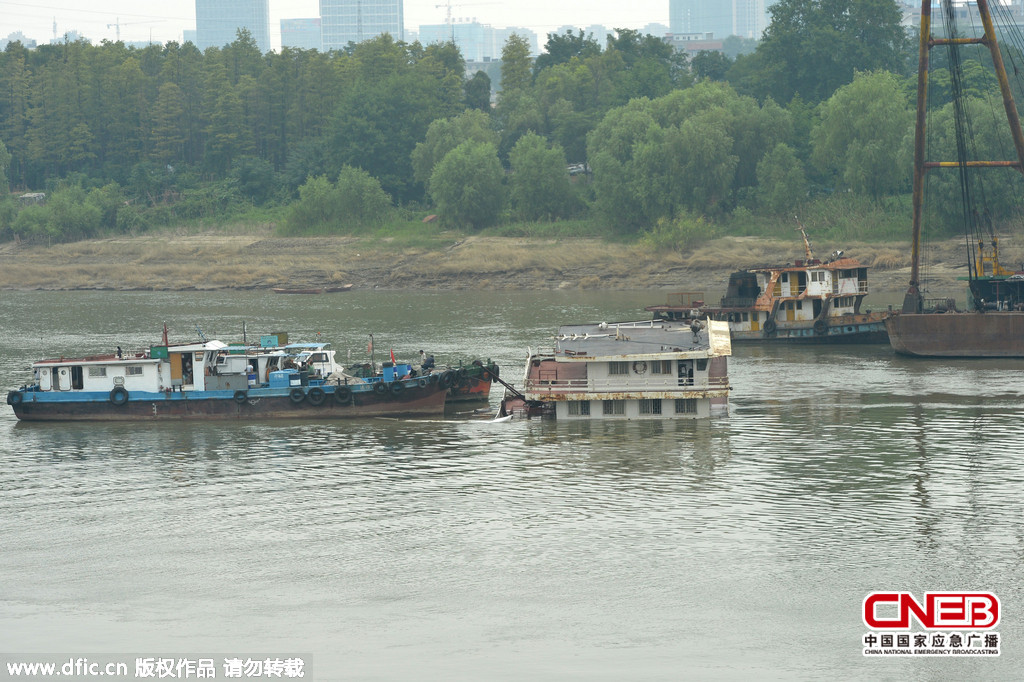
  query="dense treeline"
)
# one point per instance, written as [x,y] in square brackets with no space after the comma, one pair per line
[123,139]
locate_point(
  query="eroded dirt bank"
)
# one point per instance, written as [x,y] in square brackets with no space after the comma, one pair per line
[212,262]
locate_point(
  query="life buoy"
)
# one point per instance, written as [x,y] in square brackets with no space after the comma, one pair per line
[316,396]
[395,387]
[820,327]
[380,387]
[14,398]
[769,327]
[639,367]
[118,395]
[241,396]
[342,394]
[296,395]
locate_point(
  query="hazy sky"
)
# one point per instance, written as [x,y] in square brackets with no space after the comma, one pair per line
[164,20]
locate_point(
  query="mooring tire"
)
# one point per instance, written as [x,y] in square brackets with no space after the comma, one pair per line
[395,388]
[446,380]
[769,327]
[422,382]
[297,395]
[118,395]
[241,397]
[14,398]
[316,396]
[380,387]
[342,394]
[820,327]
[491,373]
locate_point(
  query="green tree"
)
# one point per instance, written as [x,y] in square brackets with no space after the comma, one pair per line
[710,64]
[539,181]
[478,92]
[516,66]
[812,47]
[860,134]
[467,186]
[168,132]
[562,48]
[781,181]
[444,135]
[5,165]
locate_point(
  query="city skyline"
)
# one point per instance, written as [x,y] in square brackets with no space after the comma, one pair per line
[134,21]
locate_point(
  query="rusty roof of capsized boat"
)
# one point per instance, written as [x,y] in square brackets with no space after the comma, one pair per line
[646,339]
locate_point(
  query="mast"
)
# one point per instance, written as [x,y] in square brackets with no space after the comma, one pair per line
[912,302]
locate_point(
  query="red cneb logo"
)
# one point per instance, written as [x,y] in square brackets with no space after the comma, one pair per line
[939,611]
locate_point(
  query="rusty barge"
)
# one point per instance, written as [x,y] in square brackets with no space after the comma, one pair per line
[993,325]
[807,301]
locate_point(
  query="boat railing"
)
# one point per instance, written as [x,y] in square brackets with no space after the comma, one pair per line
[738,302]
[690,299]
[542,385]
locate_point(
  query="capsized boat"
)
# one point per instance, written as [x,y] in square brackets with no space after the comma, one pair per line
[213,380]
[993,324]
[807,301]
[651,369]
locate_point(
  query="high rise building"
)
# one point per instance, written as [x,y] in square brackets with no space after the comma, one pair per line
[218,21]
[750,17]
[701,16]
[353,21]
[301,33]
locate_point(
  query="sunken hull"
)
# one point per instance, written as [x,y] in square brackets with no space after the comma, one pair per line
[958,335]
[329,402]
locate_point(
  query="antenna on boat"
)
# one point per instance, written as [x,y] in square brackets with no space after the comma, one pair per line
[807,244]
[201,334]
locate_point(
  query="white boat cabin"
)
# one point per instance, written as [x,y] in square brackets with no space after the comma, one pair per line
[652,369]
[182,367]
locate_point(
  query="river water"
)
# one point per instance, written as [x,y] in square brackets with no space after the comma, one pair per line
[741,547]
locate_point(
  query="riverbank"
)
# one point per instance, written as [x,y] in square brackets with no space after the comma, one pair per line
[260,261]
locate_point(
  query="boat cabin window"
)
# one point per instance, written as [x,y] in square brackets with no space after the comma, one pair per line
[579,407]
[702,364]
[650,406]
[686,406]
[618,367]
[133,370]
[97,371]
[613,407]
[661,367]
[817,276]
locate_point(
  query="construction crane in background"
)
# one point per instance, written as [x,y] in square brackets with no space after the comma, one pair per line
[448,14]
[118,24]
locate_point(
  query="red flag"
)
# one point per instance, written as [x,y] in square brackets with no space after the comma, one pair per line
[392,356]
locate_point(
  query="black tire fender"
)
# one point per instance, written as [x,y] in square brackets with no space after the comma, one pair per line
[241,396]
[316,396]
[342,394]
[118,395]
[296,395]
